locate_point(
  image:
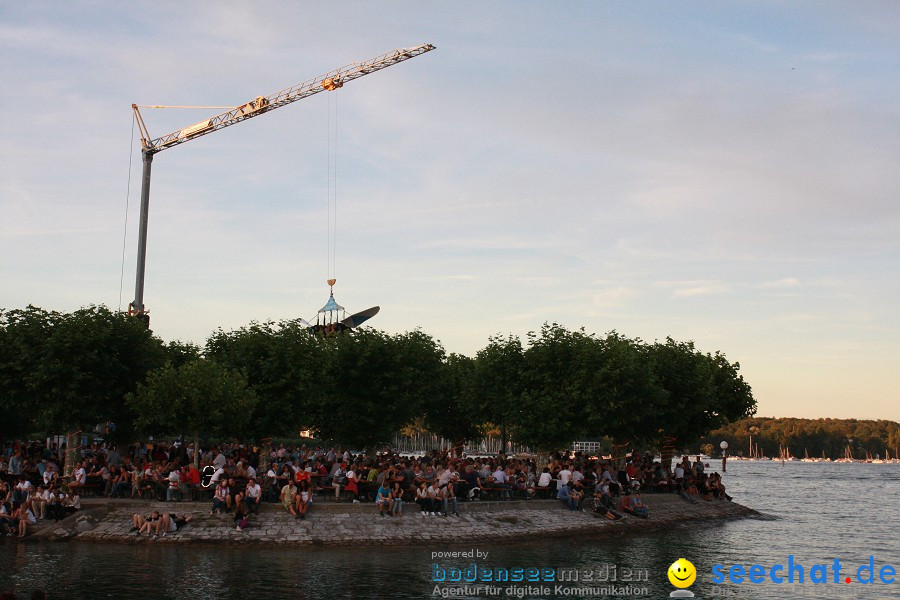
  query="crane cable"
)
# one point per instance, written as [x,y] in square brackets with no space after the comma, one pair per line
[331,259]
[127,200]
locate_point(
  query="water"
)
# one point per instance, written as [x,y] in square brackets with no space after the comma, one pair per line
[815,511]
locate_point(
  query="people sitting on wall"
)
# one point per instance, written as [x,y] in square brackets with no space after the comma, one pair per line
[569,496]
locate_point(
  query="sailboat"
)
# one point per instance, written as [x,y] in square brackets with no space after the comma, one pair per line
[848,456]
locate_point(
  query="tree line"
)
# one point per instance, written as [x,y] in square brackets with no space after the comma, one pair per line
[814,437]
[61,372]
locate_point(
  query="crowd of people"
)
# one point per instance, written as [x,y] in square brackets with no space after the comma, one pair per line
[31,488]
[238,478]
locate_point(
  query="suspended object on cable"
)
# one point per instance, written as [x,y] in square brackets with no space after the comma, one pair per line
[332,318]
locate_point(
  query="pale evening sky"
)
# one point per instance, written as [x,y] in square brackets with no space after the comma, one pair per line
[718,172]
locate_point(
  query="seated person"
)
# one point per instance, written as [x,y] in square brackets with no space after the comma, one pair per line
[304,498]
[599,506]
[628,505]
[638,507]
[383,498]
[570,496]
[288,497]
[448,495]
[422,498]
[220,498]
[252,496]
[545,479]
[241,516]
[397,499]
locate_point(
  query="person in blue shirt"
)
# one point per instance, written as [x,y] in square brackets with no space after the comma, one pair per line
[383,498]
[571,497]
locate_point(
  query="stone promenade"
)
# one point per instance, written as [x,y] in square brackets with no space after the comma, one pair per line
[330,523]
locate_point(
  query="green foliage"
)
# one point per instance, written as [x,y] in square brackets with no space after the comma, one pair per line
[625,393]
[60,372]
[285,365]
[72,370]
[557,387]
[497,385]
[375,384]
[199,395]
[453,412]
[702,391]
[179,353]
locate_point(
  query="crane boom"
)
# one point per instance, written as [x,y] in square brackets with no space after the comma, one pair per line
[259,105]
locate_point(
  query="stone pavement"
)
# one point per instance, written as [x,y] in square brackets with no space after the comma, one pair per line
[330,523]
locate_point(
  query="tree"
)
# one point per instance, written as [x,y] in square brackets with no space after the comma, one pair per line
[179,353]
[285,366]
[552,408]
[622,394]
[199,395]
[702,392]
[498,382]
[453,412]
[73,370]
[375,384]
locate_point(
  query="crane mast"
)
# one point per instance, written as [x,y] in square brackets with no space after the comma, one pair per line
[260,105]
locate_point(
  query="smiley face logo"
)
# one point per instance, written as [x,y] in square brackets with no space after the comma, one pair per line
[208,472]
[682,573]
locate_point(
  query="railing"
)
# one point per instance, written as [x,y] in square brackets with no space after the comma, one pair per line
[421,443]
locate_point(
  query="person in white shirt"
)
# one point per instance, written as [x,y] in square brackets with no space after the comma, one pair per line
[39,501]
[21,491]
[174,483]
[252,496]
[220,461]
[565,476]
[545,478]
[435,496]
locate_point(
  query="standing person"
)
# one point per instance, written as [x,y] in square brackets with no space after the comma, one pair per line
[174,487]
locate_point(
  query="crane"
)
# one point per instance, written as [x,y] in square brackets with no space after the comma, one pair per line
[260,105]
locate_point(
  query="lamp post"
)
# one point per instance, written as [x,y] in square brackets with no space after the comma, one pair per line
[724,447]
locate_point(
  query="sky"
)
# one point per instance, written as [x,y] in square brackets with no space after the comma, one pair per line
[718,172]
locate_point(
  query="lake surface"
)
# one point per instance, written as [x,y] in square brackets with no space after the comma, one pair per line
[817,512]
